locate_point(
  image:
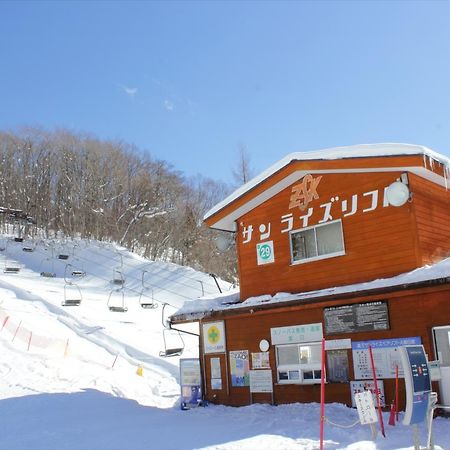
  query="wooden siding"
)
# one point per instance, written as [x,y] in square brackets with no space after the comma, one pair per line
[378,243]
[411,314]
[432,213]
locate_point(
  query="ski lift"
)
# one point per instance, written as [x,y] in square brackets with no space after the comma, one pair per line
[11,267]
[173,351]
[75,297]
[78,273]
[117,307]
[28,249]
[118,278]
[63,256]
[18,239]
[48,273]
[146,304]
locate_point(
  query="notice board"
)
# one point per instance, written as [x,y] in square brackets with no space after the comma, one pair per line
[371,316]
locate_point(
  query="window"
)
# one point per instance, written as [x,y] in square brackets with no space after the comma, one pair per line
[318,242]
[299,363]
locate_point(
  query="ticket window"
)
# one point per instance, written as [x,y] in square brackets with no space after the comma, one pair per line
[441,337]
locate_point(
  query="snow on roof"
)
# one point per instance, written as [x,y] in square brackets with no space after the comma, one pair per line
[353,151]
[200,308]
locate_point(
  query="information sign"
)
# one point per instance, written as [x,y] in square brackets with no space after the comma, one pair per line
[311,332]
[371,316]
[337,366]
[261,381]
[386,357]
[213,337]
[216,374]
[190,381]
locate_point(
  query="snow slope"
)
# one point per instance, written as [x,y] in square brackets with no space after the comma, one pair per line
[87,378]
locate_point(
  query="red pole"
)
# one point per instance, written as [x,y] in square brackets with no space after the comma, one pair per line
[4,322]
[322,395]
[29,341]
[377,392]
[17,329]
[396,392]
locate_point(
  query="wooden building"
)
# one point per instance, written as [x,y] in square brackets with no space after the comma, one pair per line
[350,244]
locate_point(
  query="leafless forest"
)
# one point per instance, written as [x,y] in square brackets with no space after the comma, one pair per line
[75,185]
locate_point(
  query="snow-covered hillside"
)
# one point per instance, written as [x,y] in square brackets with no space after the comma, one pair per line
[85,377]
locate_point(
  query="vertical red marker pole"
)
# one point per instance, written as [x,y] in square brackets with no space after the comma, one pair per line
[322,395]
[377,392]
[396,392]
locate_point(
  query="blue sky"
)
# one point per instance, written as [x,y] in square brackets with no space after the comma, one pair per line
[190,82]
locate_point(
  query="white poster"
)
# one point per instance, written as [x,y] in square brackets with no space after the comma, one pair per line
[366,408]
[215,368]
[261,381]
[311,332]
[260,360]
[214,337]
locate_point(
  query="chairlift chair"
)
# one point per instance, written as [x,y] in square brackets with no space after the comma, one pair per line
[11,267]
[18,239]
[145,303]
[118,278]
[173,351]
[72,300]
[47,273]
[120,307]
[63,256]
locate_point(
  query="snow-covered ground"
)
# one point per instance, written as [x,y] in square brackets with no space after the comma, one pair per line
[83,377]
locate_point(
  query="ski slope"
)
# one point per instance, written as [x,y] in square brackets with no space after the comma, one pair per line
[84,377]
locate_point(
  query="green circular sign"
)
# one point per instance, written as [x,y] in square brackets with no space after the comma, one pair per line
[265,251]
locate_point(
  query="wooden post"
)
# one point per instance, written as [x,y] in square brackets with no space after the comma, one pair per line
[29,341]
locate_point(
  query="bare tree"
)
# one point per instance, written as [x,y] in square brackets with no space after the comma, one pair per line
[242,172]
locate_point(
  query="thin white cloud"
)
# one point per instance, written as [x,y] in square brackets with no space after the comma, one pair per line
[168,105]
[130,91]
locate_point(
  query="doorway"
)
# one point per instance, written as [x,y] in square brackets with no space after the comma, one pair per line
[441,338]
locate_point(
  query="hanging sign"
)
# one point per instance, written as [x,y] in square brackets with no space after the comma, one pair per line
[371,316]
[265,253]
[311,332]
[366,408]
[261,381]
[385,354]
[190,381]
[239,368]
[214,337]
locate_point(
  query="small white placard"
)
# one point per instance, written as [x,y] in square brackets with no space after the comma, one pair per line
[366,408]
[435,370]
[338,344]
[261,381]
[264,253]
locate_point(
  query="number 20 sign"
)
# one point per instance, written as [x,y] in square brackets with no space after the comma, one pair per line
[264,253]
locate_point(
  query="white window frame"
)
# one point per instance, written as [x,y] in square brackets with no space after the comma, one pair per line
[301,368]
[318,257]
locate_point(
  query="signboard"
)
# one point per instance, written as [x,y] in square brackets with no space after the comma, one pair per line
[265,253]
[190,381]
[261,381]
[338,344]
[260,360]
[366,408]
[311,332]
[372,316]
[239,368]
[216,374]
[214,337]
[386,357]
[357,387]
[337,366]
[417,384]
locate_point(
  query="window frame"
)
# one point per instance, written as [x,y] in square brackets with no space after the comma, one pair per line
[317,257]
[301,368]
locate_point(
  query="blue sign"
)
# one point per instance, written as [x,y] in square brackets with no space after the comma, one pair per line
[417,383]
[386,343]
